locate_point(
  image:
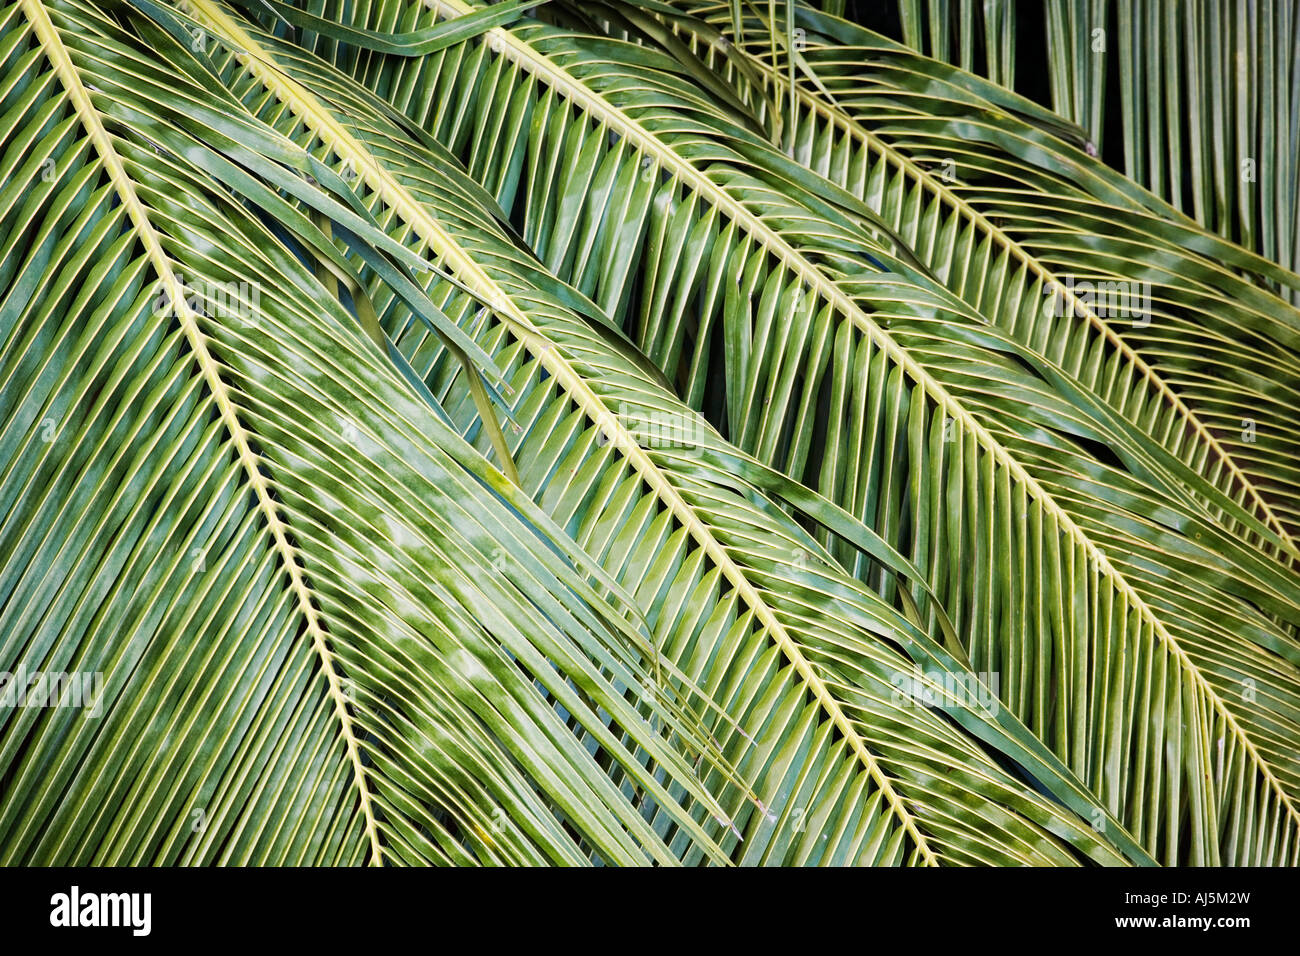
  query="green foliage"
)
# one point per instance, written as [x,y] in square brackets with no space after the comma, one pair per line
[626,434]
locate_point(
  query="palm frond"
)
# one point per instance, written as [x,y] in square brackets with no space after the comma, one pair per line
[1048,559]
[808,688]
[327,630]
[632,433]
[1191,358]
[1206,94]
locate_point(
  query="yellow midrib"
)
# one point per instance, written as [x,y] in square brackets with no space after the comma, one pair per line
[834,113]
[307,108]
[57,53]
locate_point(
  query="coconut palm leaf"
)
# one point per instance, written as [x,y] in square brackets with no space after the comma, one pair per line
[327,630]
[1050,560]
[1205,97]
[937,596]
[802,661]
[1192,356]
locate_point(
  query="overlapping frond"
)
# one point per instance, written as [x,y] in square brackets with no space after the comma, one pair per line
[327,630]
[801,664]
[1204,93]
[1130,633]
[811,537]
[1144,312]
